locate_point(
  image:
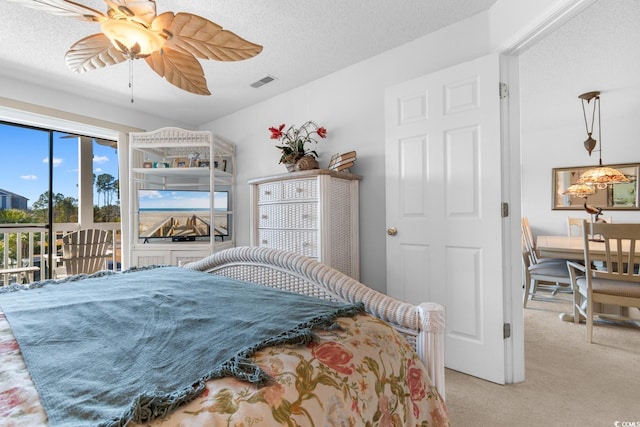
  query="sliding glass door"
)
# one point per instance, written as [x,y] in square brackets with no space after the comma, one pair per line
[52,182]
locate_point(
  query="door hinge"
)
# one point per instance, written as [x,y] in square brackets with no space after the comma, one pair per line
[506,330]
[505,210]
[503,90]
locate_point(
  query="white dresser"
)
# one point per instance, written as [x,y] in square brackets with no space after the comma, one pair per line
[312,212]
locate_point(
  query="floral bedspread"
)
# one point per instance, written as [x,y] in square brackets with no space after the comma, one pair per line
[364,374]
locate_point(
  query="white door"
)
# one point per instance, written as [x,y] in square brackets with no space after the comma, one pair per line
[443,190]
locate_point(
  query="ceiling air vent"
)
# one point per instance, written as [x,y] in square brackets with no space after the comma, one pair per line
[263,81]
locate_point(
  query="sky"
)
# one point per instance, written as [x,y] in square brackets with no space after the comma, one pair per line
[182,199]
[24,169]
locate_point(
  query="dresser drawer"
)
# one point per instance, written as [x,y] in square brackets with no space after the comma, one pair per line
[299,241]
[269,192]
[288,215]
[300,189]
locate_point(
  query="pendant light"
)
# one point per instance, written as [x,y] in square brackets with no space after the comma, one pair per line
[580,190]
[600,176]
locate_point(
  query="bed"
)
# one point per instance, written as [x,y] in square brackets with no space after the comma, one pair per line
[367,359]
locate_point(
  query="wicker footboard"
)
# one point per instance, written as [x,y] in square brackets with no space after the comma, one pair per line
[422,325]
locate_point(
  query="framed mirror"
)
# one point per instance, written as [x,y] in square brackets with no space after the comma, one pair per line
[623,196]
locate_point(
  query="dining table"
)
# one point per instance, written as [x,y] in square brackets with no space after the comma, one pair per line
[572,248]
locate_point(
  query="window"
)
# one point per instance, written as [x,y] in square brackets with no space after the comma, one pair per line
[29,165]
[75,175]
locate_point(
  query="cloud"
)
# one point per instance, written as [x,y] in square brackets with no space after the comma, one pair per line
[56,161]
[29,177]
[100,159]
[97,170]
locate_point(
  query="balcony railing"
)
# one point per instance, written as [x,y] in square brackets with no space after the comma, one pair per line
[24,251]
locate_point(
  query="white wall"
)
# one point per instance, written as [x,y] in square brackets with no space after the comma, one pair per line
[350,104]
[597,50]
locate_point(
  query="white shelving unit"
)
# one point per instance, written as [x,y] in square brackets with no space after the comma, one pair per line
[176,163]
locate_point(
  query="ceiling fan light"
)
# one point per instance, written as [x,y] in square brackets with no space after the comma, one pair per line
[134,37]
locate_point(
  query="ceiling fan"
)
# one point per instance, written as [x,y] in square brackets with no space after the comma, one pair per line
[169,43]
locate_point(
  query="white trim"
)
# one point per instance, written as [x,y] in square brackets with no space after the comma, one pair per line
[511,177]
[549,24]
[511,194]
[49,118]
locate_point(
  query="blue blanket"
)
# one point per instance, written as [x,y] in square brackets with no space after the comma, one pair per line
[132,346]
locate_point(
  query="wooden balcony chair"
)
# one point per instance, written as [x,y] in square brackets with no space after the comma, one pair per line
[549,274]
[618,283]
[85,251]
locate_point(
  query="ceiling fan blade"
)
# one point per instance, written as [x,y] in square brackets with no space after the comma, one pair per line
[204,39]
[64,8]
[180,69]
[91,53]
[143,9]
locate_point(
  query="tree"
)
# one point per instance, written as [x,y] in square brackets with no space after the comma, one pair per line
[16,216]
[105,185]
[65,209]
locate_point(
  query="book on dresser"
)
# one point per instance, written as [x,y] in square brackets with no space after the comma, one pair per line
[342,166]
[312,212]
[339,162]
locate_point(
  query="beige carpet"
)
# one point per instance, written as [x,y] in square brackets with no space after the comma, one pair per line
[568,382]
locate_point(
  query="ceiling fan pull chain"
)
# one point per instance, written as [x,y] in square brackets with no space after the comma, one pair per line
[131,78]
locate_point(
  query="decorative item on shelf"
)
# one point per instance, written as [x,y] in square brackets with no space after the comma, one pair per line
[293,145]
[601,176]
[306,163]
[193,159]
[161,165]
[204,163]
[181,162]
[342,162]
[147,165]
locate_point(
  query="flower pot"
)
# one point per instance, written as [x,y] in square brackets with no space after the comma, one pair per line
[291,167]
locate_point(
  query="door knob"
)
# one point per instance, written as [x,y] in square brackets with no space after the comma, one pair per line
[392,231]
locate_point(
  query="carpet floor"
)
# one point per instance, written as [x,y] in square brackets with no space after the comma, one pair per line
[567,381]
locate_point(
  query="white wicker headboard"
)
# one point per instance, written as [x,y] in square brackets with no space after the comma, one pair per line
[422,325]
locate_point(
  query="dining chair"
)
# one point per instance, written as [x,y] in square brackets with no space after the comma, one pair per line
[574,225]
[615,282]
[530,242]
[548,274]
[85,251]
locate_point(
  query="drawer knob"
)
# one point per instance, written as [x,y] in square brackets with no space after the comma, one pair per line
[264,242]
[264,216]
[305,216]
[267,193]
[299,190]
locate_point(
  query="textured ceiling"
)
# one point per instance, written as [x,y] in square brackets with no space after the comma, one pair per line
[595,51]
[303,41]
